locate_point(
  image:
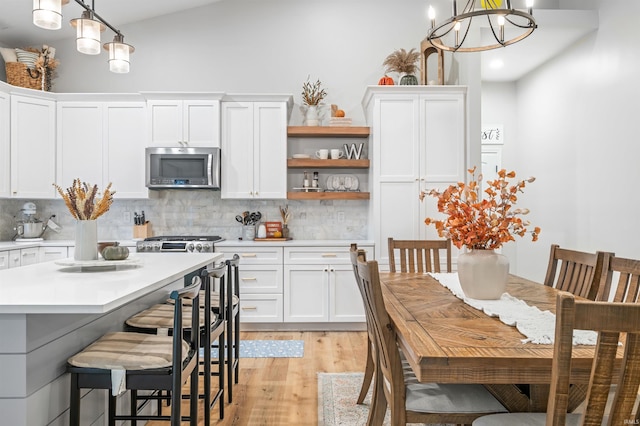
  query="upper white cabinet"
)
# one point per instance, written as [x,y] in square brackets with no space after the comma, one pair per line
[254,146]
[102,143]
[184,122]
[5,156]
[420,141]
[33,147]
[79,147]
[125,137]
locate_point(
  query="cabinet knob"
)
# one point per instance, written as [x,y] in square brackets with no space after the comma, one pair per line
[329,255]
[249,279]
[249,308]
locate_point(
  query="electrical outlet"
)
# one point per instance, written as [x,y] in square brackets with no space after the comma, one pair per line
[126,216]
[340,216]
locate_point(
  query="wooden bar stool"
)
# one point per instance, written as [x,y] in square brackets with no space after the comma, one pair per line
[233,322]
[158,320]
[122,361]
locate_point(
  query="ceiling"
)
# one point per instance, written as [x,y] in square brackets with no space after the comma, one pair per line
[557,30]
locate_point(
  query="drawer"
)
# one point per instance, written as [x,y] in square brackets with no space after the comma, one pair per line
[254,255]
[52,253]
[335,255]
[4,259]
[260,308]
[260,279]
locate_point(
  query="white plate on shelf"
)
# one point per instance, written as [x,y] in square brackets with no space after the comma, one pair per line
[301,156]
[342,183]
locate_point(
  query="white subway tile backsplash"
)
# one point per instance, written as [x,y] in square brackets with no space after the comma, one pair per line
[201,212]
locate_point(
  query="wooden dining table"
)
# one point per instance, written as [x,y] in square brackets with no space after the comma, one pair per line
[447,341]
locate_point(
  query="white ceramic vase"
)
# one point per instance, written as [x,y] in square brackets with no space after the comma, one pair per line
[312,116]
[86,240]
[483,274]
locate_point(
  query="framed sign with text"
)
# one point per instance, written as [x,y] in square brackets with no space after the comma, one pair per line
[492,134]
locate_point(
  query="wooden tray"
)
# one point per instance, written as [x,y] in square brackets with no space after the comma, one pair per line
[272,239]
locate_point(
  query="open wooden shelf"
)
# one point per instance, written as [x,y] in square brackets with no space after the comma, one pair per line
[314,163]
[328,131]
[301,195]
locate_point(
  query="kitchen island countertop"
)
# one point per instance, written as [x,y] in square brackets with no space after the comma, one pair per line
[48,288]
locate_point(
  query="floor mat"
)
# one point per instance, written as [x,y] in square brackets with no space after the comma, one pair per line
[337,394]
[267,349]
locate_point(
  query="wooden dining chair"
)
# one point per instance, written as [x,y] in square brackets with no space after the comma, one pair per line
[419,255]
[627,287]
[397,386]
[609,320]
[356,254]
[580,273]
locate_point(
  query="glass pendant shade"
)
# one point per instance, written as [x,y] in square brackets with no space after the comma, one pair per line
[88,33]
[119,53]
[47,14]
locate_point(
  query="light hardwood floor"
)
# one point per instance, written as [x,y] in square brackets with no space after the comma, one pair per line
[284,391]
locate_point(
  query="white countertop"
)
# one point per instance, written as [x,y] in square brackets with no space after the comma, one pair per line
[16,245]
[293,243]
[48,288]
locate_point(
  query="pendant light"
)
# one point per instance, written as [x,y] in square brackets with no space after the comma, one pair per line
[47,14]
[507,24]
[88,33]
[119,52]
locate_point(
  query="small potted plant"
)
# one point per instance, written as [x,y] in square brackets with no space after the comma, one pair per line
[403,62]
[482,225]
[312,96]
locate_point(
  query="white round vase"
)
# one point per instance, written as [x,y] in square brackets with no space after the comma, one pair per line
[483,274]
[312,116]
[86,240]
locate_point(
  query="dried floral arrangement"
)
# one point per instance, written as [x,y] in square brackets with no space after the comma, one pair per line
[285,214]
[482,223]
[83,202]
[45,65]
[402,62]
[313,93]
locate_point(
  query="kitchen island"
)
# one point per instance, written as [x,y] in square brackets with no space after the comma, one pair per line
[48,312]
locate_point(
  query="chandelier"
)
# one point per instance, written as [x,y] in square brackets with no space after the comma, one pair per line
[47,14]
[507,25]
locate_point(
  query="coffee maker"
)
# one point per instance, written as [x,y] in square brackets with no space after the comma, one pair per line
[29,227]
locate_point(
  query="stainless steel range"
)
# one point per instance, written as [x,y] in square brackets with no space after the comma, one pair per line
[179,244]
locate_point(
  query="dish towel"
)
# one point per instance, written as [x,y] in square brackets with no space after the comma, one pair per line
[538,326]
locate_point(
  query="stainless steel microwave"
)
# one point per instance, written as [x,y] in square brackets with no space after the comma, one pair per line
[182,168]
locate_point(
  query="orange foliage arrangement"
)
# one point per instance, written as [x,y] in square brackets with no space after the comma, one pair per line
[481,223]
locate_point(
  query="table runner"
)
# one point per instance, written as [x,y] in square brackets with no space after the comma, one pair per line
[538,326]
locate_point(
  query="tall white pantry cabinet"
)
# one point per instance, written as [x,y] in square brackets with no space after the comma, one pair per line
[419,140]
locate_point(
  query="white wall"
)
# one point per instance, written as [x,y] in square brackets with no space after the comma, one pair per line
[577,132]
[255,46]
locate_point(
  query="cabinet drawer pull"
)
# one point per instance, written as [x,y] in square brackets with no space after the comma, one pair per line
[249,308]
[249,255]
[249,279]
[329,255]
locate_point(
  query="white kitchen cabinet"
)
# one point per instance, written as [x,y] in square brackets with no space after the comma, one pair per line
[79,143]
[319,285]
[102,143]
[5,143]
[33,147]
[124,139]
[184,122]
[254,148]
[48,253]
[420,141]
[4,259]
[23,257]
[260,282]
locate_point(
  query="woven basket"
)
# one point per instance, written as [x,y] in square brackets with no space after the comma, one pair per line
[18,75]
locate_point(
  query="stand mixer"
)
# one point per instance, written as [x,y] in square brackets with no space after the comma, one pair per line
[29,227]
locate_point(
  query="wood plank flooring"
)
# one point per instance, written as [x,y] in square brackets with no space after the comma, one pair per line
[284,391]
